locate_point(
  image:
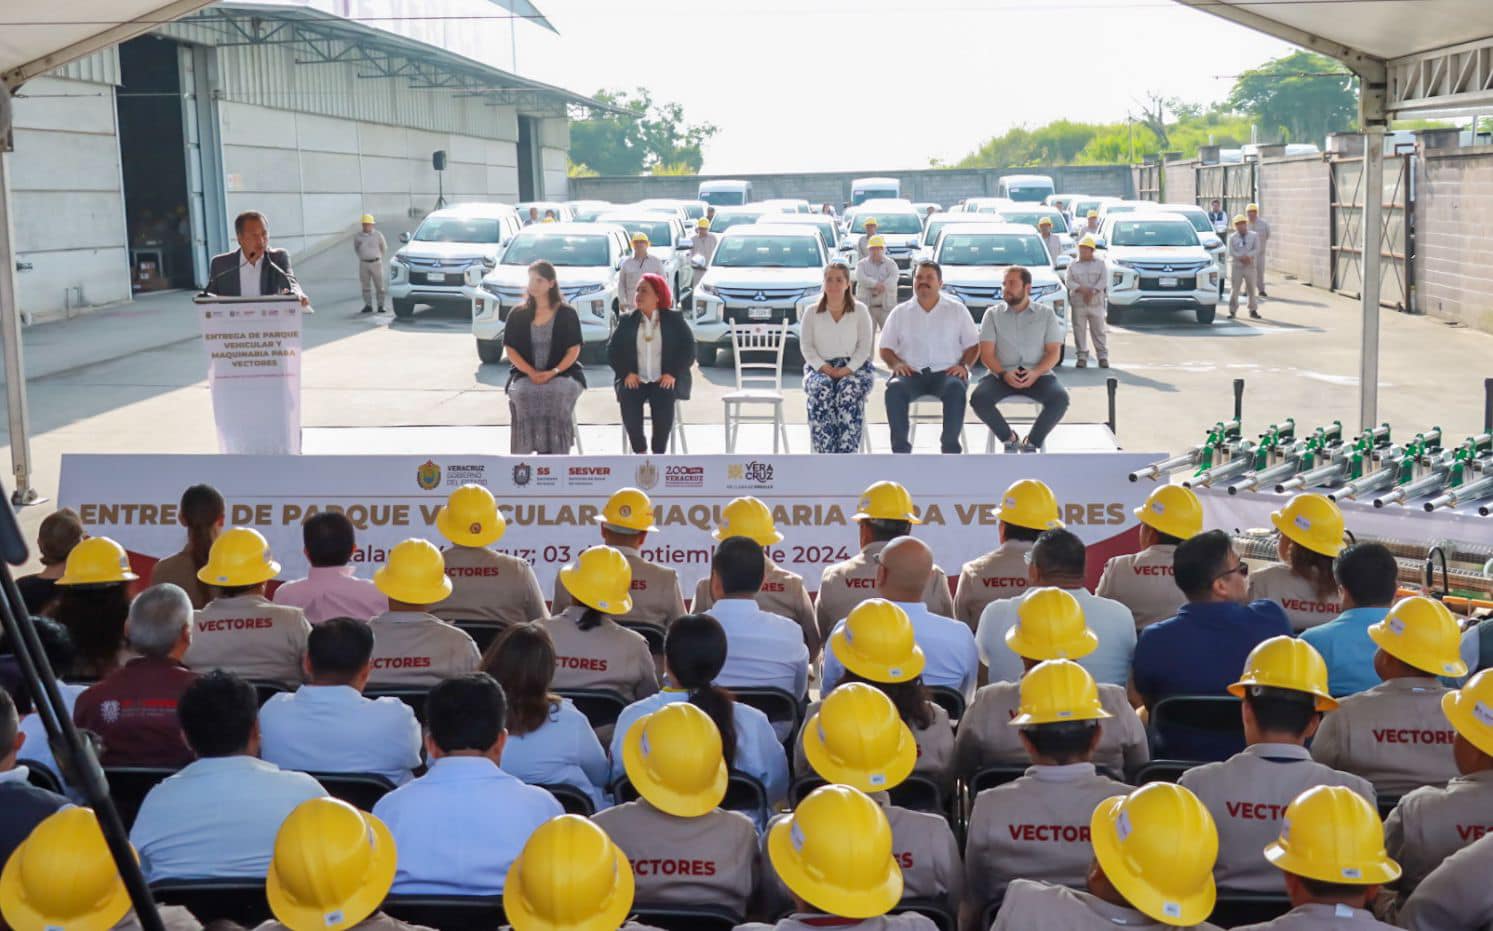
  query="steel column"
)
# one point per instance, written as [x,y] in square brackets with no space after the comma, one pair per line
[10,338]
[1373,247]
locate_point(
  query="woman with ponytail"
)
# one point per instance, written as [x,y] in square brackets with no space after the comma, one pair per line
[201,513]
[592,651]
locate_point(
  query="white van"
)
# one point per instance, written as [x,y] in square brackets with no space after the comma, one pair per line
[1026,188]
[864,189]
[726,193]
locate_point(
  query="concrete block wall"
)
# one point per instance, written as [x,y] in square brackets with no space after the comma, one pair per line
[1181,182]
[554,159]
[1454,270]
[1295,197]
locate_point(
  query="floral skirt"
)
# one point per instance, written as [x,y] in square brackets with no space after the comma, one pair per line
[837,407]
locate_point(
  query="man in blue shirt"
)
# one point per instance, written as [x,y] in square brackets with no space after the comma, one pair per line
[1366,577]
[22,805]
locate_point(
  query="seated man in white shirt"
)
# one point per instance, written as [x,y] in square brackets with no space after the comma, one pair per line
[461,825]
[929,344]
[764,650]
[217,818]
[327,726]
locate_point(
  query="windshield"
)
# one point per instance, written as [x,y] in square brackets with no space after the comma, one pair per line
[587,214]
[557,249]
[724,198]
[767,252]
[724,221]
[899,223]
[457,229]
[659,232]
[930,235]
[991,249]
[1153,233]
[826,230]
[1031,193]
[695,211]
[1197,218]
[1119,208]
[1030,218]
[861,195]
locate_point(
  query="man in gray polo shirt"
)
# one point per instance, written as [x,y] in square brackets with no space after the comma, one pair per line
[1020,343]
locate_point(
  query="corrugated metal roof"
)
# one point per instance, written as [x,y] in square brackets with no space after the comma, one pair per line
[36,38]
[1385,29]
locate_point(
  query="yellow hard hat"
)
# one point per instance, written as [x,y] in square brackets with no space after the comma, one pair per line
[62,876]
[470,517]
[1050,625]
[629,510]
[876,242]
[1333,835]
[886,501]
[1157,847]
[1254,207]
[1421,631]
[835,852]
[569,877]
[1311,520]
[602,579]
[1172,510]
[1044,221]
[1031,504]
[415,574]
[1286,663]
[640,236]
[1239,218]
[674,758]
[876,642]
[549,219]
[1088,242]
[1057,691]
[1093,215]
[98,561]
[332,867]
[239,556]
[856,738]
[1470,710]
[367,218]
[871,221]
[748,517]
[703,223]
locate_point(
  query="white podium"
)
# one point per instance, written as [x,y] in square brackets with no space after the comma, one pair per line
[254,371]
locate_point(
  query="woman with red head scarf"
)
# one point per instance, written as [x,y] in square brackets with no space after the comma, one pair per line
[651,351]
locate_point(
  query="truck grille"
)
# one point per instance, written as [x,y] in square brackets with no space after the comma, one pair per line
[1157,269]
[1154,284]
[759,295]
[738,315]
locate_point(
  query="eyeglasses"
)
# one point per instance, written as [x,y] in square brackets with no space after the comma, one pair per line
[1242,569]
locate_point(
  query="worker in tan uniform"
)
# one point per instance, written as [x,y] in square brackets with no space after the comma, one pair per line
[411,646]
[370,247]
[1051,240]
[1027,508]
[591,650]
[630,273]
[863,242]
[857,739]
[1088,294]
[783,593]
[625,524]
[876,280]
[241,630]
[1050,625]
[1152,868]
[1284,692]
[1037,826]
[1457,894]
[1394,734]
[684,848]
[1261,228]
[886,512]
[1090,225]
[1244,257]
[485,585]
[1310,535]
[1143,581]
[569,875]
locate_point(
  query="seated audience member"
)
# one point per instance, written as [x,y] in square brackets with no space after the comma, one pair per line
[1457,894]
[331,587]
[1331,853]
[625,523]
[459,826]
[1049,626]
[1057,561]
[64,876]
[592,650]
[856,738]
[542,342]
[549,741]
[201,514]
[217,818]
[485,585]
[411,646]
[1152,868]
[1394,734]
[240,630]
[134,709]
[651,353]
[837,340]
[1143,581]
[1309,536]
[22,805]
[694,652]
[1366,580]
[570,875]
[60,531]
[685,849]
[929,344]
[94,603]
[766,650]
[327,726]
[1284,692]
[1027,508]
[1021,342]
[1036,827]
[57,645]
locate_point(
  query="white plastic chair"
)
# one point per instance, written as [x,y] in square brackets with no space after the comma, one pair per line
[758,383]
[677,442]
[927,409]
[1024,401]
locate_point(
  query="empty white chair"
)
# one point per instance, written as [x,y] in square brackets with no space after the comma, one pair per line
[757,350]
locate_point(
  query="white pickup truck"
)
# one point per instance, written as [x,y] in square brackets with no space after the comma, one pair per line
[1156,259]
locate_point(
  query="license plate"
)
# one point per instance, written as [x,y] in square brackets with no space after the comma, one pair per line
[435,277]
[1168,282]
[759,313]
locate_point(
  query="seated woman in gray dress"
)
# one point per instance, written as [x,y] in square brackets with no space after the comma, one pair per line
[542,340]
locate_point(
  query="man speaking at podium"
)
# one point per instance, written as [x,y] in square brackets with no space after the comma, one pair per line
[253,269]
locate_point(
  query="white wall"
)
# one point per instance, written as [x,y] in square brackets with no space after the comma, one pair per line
[554,158]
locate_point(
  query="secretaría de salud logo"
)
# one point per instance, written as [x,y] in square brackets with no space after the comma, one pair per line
[428,475]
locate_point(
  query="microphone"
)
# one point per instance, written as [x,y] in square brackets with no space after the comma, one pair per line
[295,286]
[207,289]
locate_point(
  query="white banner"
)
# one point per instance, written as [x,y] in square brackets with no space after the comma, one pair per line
[1410,523]
[254,372]
[551,501]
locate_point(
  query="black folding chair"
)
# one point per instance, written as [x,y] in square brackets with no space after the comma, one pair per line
[801,788]
[1233,909]
[483,633]
[573,800]
[1162,771]
[448,912]
[779,706]
[653,633]
[360,790]
[999,775]
[128,786]
[600,706]
[1387,804]
[919,793]
[687,917]
[950,700]
[265,689]
[935,910]
[1206,727]
[414,696]
[41,776]
[238,900]
[992,908]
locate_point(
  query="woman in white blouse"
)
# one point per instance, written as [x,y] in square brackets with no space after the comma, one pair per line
[836,341]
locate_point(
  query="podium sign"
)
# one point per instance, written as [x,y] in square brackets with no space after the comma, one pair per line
[254,371]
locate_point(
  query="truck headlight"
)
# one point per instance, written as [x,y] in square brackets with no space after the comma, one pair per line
[599,309]
[492,288]
[707,289]
[588,289]
[1116,278]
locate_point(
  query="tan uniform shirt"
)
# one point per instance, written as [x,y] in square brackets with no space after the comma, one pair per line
[907,921]
[935,749]
[846,584]
[1143,582]
[1303,604]
[709,860]
[489,586]
[605,657]
[1432,823]
[1000,573]
[378,921]
[656,597]
[411,648]
[1093,274]
[369,246]
[1315,916]
[868,275]
[630,273]
[986,737]
[178,570]
[1247,795]
[250,636]
[783,593]
[1031,905]
[1393,735]
[1457,895]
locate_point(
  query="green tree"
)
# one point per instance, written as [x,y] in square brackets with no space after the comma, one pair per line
[648,133]
[1298,98]
[581,170]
